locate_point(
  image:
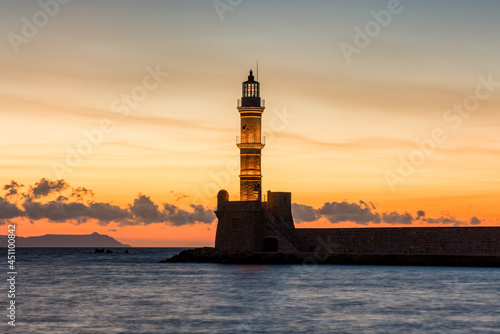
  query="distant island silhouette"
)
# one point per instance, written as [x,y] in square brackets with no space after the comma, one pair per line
[65,240]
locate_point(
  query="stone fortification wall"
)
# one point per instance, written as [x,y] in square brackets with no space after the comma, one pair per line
[405,240]
[241,226]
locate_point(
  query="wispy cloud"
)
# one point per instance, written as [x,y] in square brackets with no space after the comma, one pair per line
[385,143]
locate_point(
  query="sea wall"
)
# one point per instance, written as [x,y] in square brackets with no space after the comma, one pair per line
[213,255]
[404,240]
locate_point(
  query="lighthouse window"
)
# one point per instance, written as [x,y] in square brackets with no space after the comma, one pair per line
[251,90]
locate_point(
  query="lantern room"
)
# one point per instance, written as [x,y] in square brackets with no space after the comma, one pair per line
[251,93]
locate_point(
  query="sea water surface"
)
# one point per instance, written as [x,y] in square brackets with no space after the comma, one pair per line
[76,291]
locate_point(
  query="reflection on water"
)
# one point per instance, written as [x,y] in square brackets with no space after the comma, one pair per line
[74,291]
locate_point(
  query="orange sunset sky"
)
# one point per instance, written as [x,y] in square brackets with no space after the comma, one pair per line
[119,117]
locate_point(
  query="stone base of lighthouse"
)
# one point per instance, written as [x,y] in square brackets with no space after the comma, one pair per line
[256,226]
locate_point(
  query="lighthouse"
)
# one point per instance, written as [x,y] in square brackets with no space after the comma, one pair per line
[250,142]
[253,224]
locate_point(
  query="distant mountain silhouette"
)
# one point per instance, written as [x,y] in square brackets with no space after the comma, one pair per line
[65,240]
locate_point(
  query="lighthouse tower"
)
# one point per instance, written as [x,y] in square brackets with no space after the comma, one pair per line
[250,107]
[251,224]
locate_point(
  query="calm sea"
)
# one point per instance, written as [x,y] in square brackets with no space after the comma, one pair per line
[75,291]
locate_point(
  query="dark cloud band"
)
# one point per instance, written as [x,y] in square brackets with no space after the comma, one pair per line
[364,214]
[81,208]
[143,211]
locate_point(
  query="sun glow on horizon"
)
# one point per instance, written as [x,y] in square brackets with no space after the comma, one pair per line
[137,104]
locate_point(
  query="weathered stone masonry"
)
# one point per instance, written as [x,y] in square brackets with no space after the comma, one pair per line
[403,240]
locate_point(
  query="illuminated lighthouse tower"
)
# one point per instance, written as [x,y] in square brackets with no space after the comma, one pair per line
[251,224]
[250,144]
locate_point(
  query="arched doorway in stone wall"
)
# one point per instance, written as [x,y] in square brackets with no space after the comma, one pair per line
[270,245]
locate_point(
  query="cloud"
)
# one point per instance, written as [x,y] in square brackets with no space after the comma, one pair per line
[358,145]
[45,187]
[364,214]
[199,214]
[452,221]
[180,195]
[146,211]
[475,221]
[70,206]
[337,212]
[304,213]
[12,188]
[142,211]
[62,211]
[9,210]
[56,211]
[105,213]
[396,218]
[81,192]
[176,123]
